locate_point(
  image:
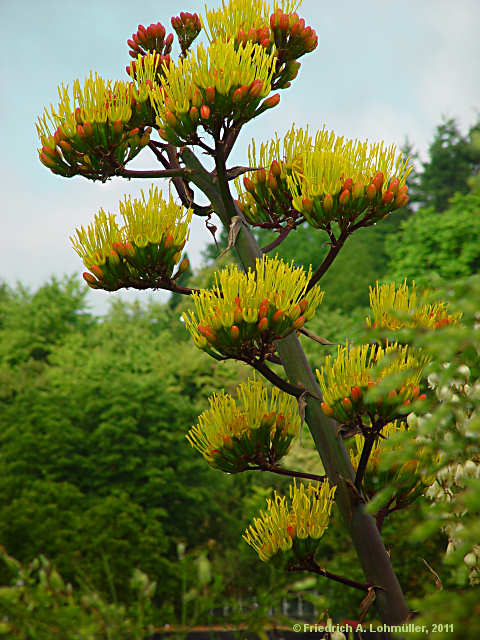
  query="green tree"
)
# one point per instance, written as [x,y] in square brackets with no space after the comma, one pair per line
[452,159]
[445,244]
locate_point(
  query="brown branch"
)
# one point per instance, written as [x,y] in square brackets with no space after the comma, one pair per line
[270,375]
[329,258]
[167,173]
[281,237]
[362,465]
[288,472]
[313,567]
[158,154]
[230,139]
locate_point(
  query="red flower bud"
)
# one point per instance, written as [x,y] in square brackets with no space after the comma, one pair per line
[387,197]
[235,332]
[89,279]
[171,119]
[327,409]
[262,325]
[303,304]
[205,112]
[275,169]
[256,88]
[194,115]
[97,271]
[272,182]
[422,397]
[278,316]
[348,184]
[299,322]
[168,242]
[271,102]
[307,205]
[210,94]
[347,405]
[327,202]
[356,393]
[358,190]
[261,175]
[371,192]
[378,181]
[394,185]
[344,197]
[248,184]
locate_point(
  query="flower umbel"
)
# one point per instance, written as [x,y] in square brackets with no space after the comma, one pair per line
[141,254]
[94,136]
[257,428]
[348,382]
[295,524]
[397,308]
[213,87]
[245,312]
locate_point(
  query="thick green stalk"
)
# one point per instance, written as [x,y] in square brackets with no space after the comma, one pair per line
[361,526]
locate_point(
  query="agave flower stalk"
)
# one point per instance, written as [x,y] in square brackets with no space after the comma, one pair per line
[246,312]
[257,428]
[140,254]
[292,526]
[348,384]
[94,134]
[395,308]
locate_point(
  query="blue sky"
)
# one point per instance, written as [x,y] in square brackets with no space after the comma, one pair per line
[383,69]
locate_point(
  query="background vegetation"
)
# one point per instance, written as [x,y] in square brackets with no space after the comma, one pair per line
[95,471]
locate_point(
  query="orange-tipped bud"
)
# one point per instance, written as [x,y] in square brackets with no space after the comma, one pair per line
[275,169]
[263,325]
[307,205]
[400,201]
[371,192]
[168,242]
[263,308]
[89,279]
[356,393]
[183,266]
[394,185]
[278,316]
[130,249]
[256,88]
[348,184]
[210,94]
[171,119]
[78,115]
[97,271]
[415,391]
[344,197]
[283,22]
[237,96]
[113,258]
[327,202]
[261,175]
[65,146]
[392,394]
[80,131]
[205,112]
[194,115]
[234,332]
[422,397]
[238,315]
[387,197]
[87,127]
[347,405]
[358,190]
[117,127]
[303,304]
[271,102]
[299,322]
[248,184]
[378,181]
[327,409]
[272,182]
[290,531]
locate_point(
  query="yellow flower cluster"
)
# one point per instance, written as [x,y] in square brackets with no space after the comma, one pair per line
[397,308]
[252,309]
[324,180]
[305,515]
[148,245]
[257,428]
[95,133]
[346,381]
[221,81]
[243,15]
